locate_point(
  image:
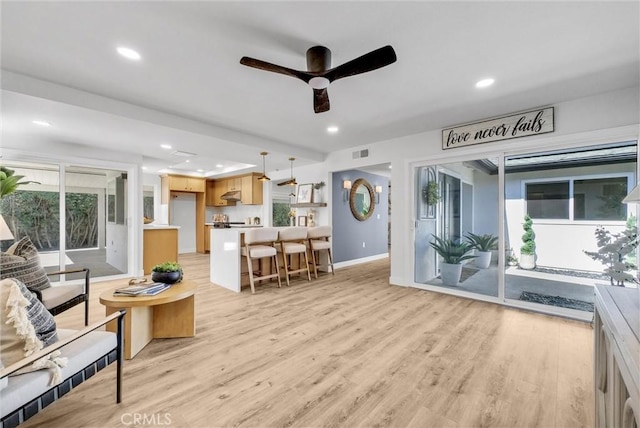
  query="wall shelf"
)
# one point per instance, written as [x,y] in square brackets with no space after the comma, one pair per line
[309,205]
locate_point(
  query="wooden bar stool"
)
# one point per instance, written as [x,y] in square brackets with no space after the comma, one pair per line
[292,241]
[319,241]
[259,244]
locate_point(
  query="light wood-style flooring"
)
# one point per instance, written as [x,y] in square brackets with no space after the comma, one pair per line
[343,351]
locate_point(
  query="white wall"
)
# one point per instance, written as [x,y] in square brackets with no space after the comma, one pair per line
[608,117]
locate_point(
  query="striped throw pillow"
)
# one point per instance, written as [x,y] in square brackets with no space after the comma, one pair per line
[22,261]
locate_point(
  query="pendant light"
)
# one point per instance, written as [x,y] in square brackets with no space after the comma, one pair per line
[263,177]
[292,181]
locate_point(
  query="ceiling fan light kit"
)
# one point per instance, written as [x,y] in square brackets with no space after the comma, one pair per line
[320,74]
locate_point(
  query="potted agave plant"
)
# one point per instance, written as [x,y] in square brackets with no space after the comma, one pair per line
[167,272]
[453,254]
[483,244]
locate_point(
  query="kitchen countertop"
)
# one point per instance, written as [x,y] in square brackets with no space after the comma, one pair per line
[152,226]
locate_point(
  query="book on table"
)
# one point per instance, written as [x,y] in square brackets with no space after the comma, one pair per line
[142,289]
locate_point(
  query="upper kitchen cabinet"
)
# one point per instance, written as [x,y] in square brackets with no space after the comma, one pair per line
[180,183]
[251,192]
[245,187]
[215,190]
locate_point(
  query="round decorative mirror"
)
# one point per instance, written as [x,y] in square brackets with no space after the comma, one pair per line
[362,199]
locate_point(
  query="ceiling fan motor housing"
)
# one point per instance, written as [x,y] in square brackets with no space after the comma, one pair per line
[318,59]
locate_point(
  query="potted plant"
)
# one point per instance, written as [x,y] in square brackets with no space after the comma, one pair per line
[317,192]
[9,182]
[453,254]
[483,244]
[167,272]
[528,248]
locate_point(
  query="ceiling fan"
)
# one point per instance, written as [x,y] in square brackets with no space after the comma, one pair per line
[320,74]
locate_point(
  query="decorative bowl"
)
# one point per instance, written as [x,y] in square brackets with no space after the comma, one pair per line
[167,277]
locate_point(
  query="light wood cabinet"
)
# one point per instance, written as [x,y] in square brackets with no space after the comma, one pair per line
[159,245]
[207,238]
[234,184]
[215,190]
[248,185]
[251,193]
[180,183]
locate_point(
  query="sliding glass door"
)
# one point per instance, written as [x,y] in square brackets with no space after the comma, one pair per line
[551,213]
[85,227]
[455,202]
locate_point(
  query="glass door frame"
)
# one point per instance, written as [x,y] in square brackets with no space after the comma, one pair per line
[501,155]
[134,203]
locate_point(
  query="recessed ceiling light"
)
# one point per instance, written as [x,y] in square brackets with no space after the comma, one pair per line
[40,123]
[165,146]
[332,129]
[187,161]
[219,166]
[484,83]
[200,170]
[129,53]
[145,168]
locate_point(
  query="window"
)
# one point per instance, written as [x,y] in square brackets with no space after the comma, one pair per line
[593,199]
[601,200]
[548,200]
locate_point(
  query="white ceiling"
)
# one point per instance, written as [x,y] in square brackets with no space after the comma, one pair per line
[59,64]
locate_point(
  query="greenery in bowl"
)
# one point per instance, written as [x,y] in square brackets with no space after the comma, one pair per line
[167,267]
[452,252]
[485,242]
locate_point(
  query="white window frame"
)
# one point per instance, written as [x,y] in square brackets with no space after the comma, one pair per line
[571,178]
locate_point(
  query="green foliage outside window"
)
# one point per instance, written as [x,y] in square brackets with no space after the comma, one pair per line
[36,214]
[280,213]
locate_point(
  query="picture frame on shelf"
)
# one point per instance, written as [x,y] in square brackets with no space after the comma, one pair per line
[305,193]
[302,220]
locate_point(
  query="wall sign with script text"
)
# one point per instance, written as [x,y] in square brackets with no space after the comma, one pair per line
[533,122]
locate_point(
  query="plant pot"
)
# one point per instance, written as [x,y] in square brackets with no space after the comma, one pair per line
[483,259]
[167,277]
[450,273]
[527,261]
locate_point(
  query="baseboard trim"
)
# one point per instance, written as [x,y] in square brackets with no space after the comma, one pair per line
[360,261]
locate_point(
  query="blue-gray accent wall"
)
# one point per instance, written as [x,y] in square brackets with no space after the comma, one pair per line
[348,232]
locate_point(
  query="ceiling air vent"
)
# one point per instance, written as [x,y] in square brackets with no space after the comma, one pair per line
[183,154]
[361,154]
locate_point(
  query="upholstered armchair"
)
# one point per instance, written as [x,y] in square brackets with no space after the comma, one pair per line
[22,262]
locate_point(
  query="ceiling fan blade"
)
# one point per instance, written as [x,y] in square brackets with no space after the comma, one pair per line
[320,100]
[267,66]
[367,62]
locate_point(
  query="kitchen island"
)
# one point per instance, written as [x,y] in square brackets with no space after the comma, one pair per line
[160,244]
[225,257]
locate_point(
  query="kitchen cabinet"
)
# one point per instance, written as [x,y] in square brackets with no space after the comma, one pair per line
[234,184]
[179,183]
[215,190]
[248,185]
[207,238]
[159,245]
[251,193]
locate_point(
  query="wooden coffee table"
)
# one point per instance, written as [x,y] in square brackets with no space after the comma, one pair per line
[169,314]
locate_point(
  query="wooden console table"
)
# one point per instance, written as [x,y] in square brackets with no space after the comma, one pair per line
[169,314]
[617,356]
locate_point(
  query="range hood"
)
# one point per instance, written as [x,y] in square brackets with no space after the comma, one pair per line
[232,195]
